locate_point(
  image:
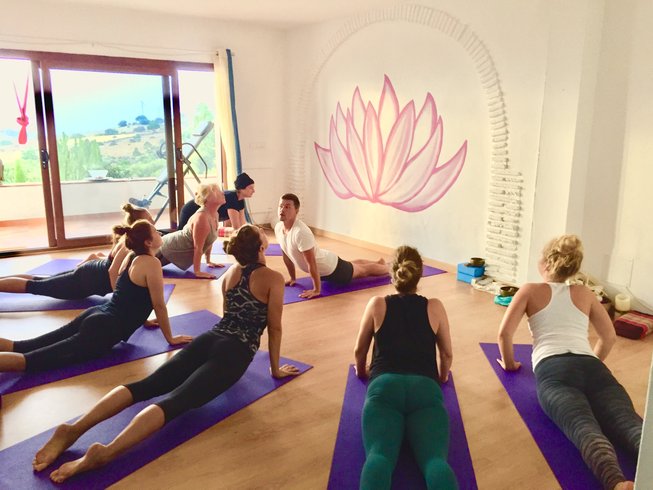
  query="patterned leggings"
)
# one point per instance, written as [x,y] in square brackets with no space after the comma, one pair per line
[404,402]
[587,403]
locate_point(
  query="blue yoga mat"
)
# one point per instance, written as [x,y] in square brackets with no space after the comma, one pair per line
[291,293]
[349,454]
[563,457]
[171,271]
[15,461]
[144,342]
[15,302]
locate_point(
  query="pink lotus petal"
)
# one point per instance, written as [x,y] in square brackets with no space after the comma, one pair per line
[424,125]
[341,124]
[326,162]
[388,109]
[358,111]
[373,147]
[397,148]
[344,166]
[357,154]
[415,174]
[438,184]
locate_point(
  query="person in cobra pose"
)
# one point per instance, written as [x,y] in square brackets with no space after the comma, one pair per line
[185,247]
[300,250]
[574,387]
[403,394]
[232,212]
[95,275]
[209,365]
[139,290]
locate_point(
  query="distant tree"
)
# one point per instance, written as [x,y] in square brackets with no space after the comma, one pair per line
[159,120]
[110,131]
[139,129]
[153,126]
[142,120]
[122,124]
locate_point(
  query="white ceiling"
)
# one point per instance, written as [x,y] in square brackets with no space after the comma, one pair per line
[274,13]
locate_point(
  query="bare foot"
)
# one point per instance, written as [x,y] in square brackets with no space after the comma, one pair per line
[62,439]
[94,458]
[381,261]
[625,485]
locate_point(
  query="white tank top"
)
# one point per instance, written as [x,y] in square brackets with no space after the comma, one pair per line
[560,327]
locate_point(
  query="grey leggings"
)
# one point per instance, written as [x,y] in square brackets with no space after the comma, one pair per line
[587,403]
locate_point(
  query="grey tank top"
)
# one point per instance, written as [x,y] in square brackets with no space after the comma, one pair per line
[178,246]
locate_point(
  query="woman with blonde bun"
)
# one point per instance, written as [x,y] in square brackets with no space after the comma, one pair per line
[95,275]
[208,366]
[185,247]
[575,389]
[139,290]
[403,394]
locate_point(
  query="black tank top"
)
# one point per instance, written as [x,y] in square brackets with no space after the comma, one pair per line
[130,303]
[405,342]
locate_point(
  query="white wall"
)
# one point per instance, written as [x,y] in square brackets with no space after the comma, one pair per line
[325,68]
[258,66]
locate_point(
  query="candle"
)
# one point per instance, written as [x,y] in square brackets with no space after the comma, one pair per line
[622,302]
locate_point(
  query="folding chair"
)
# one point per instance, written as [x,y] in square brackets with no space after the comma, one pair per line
[187,151]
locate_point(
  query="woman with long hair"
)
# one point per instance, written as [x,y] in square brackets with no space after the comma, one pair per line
[208,366]
[139,290]
[403,394]
[574,387]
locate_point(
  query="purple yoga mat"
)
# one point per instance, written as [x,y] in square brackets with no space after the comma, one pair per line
[171,271]
[349,454]
[144,342]
[291,293]
[563,457]
[12,302]
[54,267]
[273,250]
[15,461]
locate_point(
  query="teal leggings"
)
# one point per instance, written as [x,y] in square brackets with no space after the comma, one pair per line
[398,403]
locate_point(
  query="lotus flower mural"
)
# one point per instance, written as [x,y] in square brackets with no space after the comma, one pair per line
[388,155]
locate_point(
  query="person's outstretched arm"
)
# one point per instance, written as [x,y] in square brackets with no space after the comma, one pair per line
[512,317]
[604,328]
[154,281]
[290,265]
[309,256]
[438,316]
[275,308]
[365,335]
[237,218]
[201,228]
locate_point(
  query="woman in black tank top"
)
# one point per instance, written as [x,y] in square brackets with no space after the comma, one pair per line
[212,363]
[92,334]
[403,392]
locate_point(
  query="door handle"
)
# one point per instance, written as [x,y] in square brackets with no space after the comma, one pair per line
[45,159]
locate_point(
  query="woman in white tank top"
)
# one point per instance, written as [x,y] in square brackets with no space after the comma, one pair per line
[575,389]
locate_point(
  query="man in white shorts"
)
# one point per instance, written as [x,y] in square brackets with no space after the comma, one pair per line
[300,250]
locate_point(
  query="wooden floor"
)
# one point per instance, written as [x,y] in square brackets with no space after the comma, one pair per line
[286,439]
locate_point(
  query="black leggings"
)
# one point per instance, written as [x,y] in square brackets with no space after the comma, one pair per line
[91,335]
[90,278]
[207,367]
[587,403]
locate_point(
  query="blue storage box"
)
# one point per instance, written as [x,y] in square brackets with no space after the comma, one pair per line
[464,277]
[471,271]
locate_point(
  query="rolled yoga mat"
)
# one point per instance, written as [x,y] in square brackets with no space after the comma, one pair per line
[291,293]
[349,454]
[144,342]
[273,250]
[15,461]
[560,453]
[18,302]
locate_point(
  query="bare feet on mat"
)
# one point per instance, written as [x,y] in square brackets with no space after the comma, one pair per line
[62,439]
[94,458]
